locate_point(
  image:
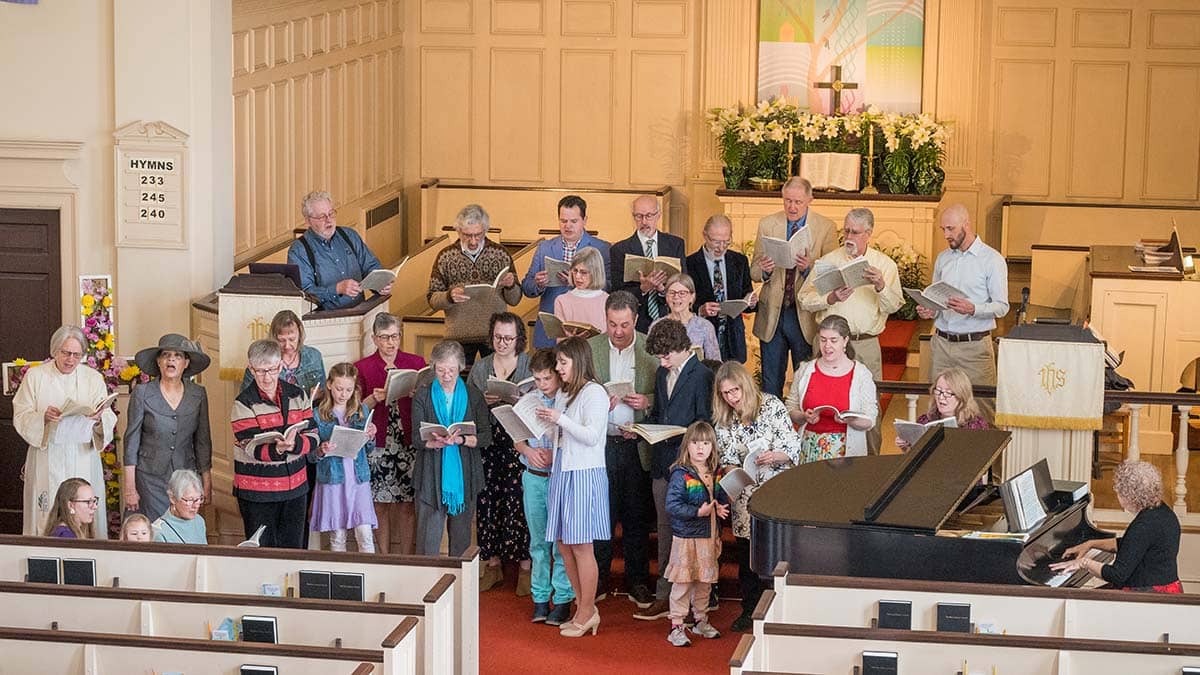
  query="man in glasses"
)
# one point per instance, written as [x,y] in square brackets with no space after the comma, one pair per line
[648,242]
[332,260]
[722,274]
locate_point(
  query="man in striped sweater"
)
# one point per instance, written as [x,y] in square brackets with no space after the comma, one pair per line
[269,479]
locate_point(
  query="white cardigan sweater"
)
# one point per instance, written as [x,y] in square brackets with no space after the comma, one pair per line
[584,426]
[862,399]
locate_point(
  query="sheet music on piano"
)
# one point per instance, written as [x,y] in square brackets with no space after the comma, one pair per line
[1030,511]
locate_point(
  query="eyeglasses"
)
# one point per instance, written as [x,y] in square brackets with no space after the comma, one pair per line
[943,393]
[265,371]
[94,501]
[678,293]
[192,501]
[719,242]
[324,217]
[642,217]
[387,337]
[505,339]
[70,355]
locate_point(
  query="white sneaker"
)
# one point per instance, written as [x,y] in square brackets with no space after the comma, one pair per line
[678,637]
[705,629]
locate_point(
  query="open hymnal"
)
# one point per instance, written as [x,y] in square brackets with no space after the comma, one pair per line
[268,437]
[555,268]
[936,296]
[911,432]
[253,542]
[377,280]
[520,420]
[844,414]
[735,481]
[783,252]
[655,433]
[402,382]
[347,441]
[734,308]
[73,408]
[636,264]
[619,389]
[831,170]
[509,391]
[754,449]
[827,278]
[477,291]
[556,328]
[428,430]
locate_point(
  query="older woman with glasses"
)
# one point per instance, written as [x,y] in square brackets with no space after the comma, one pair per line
[54,411]
[950,396]
[182,523]
[681,296]
[502,532]
[392,459]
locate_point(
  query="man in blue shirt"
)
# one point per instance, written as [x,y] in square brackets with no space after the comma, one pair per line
[332,260]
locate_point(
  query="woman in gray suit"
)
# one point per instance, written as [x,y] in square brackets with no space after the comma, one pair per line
[168,425]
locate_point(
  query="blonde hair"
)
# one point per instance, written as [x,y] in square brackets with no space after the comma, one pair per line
[747,410]
[61,514]
[353,405]
[960,385]
[698,432]
[130,520]
[591,260]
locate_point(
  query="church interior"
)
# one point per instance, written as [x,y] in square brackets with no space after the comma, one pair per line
[1065,131]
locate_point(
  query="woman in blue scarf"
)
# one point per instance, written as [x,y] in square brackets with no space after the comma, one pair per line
[448,473]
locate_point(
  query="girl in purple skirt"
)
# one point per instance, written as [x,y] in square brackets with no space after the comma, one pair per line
[343,496]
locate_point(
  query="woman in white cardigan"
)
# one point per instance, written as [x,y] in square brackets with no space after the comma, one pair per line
[577,499]
[836,380]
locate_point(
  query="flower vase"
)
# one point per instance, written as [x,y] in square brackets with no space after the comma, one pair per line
[897,172]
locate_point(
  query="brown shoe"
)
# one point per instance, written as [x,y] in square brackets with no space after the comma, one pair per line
[523,583]
[492,577]
[657,610]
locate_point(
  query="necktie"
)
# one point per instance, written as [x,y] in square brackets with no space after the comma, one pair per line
[719,296]
[789,282]
[652,298]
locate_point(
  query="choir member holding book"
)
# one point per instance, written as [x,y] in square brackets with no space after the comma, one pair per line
[950,396]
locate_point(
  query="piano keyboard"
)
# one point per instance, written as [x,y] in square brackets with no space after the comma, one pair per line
[1103,557]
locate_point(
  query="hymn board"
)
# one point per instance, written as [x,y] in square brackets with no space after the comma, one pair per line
[151,170]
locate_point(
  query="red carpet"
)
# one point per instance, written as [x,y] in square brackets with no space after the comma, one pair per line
[509,643]
[893,346]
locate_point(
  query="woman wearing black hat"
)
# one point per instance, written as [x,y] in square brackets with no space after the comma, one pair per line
[168,425]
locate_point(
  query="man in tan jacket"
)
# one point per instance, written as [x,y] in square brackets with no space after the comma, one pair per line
[780,324]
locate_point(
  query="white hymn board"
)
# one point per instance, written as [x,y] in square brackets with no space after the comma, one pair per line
[151,172]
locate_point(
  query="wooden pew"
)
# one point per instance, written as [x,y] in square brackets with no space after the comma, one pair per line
[27,650]
[231,570]
[188,614]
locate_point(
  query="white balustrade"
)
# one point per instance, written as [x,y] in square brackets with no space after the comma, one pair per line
[1135,415]
[1181,461]
[912,406]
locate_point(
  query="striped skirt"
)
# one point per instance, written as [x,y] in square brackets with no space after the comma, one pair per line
[577,505]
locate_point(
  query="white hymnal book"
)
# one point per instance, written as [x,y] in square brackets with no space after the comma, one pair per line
[936,296]
[376,280]
[428,430]
[520,420]
[509,391]
[911,432]
[735,481]
[619,389]
[73,408]
[402,382]
[831,170]
[556,328]
[636,264]
[753,449]
[347,441]
[844,414]
[655,433]
[734,308]
[826,278]
[477,291]
[268,437]
[76,424]
[553,267]
[783,252]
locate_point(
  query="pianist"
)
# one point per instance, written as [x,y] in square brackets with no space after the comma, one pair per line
[1146,554]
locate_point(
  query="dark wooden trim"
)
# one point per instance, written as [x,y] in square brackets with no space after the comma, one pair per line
[1061,247]
[781,569]
[439,588]
[1093,205]
[1112,395]
[239,599]
[552,232]
[363,669]
[471,553]
[308,556]
[435,182]
[982,639]
[819,195]
[1003,590]
[764,603]
[190,644]
[1018,259]
[397,635]
[422,318]
[355,310]
[744,646]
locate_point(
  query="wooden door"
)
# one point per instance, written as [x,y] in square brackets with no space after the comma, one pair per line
[30,310]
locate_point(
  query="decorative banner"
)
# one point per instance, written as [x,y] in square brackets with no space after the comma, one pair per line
[244,318]
[1050,385]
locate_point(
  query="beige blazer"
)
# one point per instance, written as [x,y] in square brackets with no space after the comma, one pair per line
[824,233]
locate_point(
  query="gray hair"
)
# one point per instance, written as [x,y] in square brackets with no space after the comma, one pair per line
[797,183]
[718,219]
[263,353]
[65,333]
[181,480]
[447,350]
[472,214]
[862,216]
[384,321]
[312,198]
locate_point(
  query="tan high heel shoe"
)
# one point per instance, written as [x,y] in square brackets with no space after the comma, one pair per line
[575,630]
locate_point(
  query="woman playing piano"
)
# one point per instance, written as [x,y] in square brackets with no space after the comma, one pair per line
[1146,554]
[950,396]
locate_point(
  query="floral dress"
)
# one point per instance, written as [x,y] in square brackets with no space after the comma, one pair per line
[772,424]
[392,465]
[501,528]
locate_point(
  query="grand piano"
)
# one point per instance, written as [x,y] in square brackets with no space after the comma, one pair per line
[906,517]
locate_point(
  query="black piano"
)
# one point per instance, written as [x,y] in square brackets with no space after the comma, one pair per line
[904,517]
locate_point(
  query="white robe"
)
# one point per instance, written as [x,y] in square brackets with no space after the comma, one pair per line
[48,464]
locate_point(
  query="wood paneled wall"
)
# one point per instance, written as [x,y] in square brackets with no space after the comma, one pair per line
[317,106]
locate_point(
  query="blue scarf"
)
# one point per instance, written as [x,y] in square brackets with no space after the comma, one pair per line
[453,493]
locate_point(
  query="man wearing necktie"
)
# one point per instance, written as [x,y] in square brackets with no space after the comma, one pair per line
[780,324]
[722,274]
[649,242]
